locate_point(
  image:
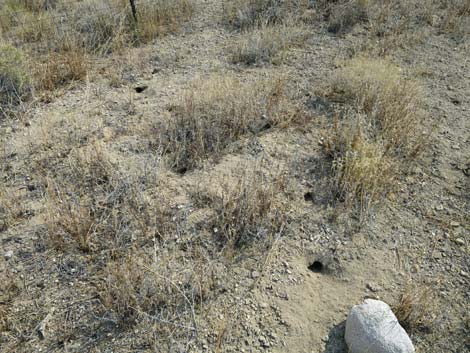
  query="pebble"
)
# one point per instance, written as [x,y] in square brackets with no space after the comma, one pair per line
[373,287]
[8,255]
[459,241]
[255,274]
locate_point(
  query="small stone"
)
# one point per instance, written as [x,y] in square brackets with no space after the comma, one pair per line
[460,241]
[439,207]
[255,274]
[455,224]
[373,287]
[437,255]
[8,255]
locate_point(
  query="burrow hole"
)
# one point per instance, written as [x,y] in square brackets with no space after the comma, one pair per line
[316,266]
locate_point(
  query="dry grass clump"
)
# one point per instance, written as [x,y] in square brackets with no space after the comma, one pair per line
[91,204]
[415,309]
[392,104]
[372,146]
[390,17]
[248,208]
[12,208]
[342,15]
[217,111]
[243,14]
[10,287]
[156,18]
[363,171]
[59,69]
[456,18]
[15,83]
[160,287]
[266,43]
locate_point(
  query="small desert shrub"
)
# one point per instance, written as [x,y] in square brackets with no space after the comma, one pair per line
[12,208]
[99,27]
[391,103]
[156,18]
[344,14]
[456,18]
[90,203]
[248,208]
[363,173]
[265,43]
[372,146]
[15,83]
[242,14]
[416,308]
[81,205]
[217,111]
[159,287]
[59,69]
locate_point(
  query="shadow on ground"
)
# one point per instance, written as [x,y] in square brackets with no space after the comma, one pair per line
[335,343]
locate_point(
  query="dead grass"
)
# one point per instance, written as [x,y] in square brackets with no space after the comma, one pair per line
[12,208]
[15,83]
[377,142]
[267,43]
[92,205]
[61,37]
[243,14]
[416,308]
[157,18]
[60,69]
[393,18]
[364,173]
[10,287]
[248,208]
[163,288]
[217,111]
[342,15]
[392,104]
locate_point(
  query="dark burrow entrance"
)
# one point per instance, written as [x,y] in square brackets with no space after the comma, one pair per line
[316,267]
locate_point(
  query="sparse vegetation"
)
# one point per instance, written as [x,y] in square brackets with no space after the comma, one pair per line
[416,307]
[92,205]
[266,43]
[15,84]
[248,210]
[210,167]
[161,288]
[377,142]
[243,14]
[215,112]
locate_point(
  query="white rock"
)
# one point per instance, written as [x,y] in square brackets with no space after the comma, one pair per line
[373,328]
[8,255]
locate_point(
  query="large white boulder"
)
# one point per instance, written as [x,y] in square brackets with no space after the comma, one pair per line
[372,327]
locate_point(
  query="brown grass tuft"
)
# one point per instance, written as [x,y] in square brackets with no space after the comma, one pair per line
[372,146]
[248,207]
[15,83]
[415,309]
[217,111]
[159,287]
[243,14]
[59,69]
[92,204]
[266,43]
